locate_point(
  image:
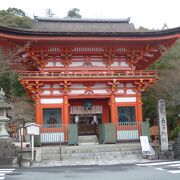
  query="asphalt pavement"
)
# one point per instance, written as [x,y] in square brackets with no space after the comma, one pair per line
[166,170]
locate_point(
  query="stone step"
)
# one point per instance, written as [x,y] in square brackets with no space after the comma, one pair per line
[91,148]
[96,157]
[90,139]
[94,152]
[46,156]
[64,151]
[90,154]
[105,152]
[118,145]
[72,162]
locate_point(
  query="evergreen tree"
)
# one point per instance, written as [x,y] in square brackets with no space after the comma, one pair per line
[74,13]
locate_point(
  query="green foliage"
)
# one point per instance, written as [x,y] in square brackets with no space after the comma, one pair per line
[74,13]
[14,17]
[11,85]
[16,88]
[149,104]
[8,79]
[16,12]
[166,88]
[175,132]
[5,82]
[169,59]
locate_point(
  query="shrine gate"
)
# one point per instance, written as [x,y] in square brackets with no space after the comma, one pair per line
[86,71]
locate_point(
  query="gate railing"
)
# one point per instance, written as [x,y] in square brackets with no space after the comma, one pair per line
[124,131]
[131,130]
[89,74]
[53,133]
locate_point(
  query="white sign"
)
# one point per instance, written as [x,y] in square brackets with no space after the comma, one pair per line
[163,125]
[33,129]
[145,143]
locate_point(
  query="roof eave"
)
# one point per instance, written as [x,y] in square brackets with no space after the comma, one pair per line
[25,32]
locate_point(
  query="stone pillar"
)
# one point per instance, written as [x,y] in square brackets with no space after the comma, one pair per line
[7,149]
[3,115]
[163,125]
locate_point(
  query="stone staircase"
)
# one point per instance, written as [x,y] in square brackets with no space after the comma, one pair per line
[87,140]
[88,154]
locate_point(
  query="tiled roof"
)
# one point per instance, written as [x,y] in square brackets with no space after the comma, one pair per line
[82,25]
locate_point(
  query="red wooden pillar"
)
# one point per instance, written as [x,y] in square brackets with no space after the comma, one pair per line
[139,108]
[38,111]
[66,110]
[139,114]
[65,115]
[113,109]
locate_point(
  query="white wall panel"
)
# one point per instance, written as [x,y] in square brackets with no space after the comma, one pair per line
[124,64]
[49,64]
[121,91]
[125,99]
[47,92]
[51,100]
[129,85]
[77,91]
[56,92]
[130,91]
[100,91]
[115,64]
[59,64]
[56,86]
[98,64]
[52,137]
[76,64]
[77,86]
[100,85]
[46,86]
[127,134]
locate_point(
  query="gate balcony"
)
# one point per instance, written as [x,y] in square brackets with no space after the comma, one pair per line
[73,76]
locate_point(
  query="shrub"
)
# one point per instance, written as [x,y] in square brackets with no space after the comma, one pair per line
[175,132]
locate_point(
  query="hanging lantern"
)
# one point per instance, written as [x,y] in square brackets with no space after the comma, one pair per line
[88,105]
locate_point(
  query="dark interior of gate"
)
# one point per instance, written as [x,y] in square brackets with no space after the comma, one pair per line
[88,114]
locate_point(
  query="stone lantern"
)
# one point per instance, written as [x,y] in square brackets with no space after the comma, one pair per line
[3,115]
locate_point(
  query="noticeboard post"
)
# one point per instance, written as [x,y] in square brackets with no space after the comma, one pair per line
[32,129]
[146,147]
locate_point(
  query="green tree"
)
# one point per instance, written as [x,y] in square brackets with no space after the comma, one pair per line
[8,78]
[166,88]
[16,12]
[14,17]
[74,13]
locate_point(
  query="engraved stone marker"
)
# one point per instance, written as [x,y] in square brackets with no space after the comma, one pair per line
[163,125]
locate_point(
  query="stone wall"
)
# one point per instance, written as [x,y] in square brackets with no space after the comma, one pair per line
[7,152]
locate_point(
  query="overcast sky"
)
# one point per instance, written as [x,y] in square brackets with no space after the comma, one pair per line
[147,13]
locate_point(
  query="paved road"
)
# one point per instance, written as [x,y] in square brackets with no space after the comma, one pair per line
[155,171]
